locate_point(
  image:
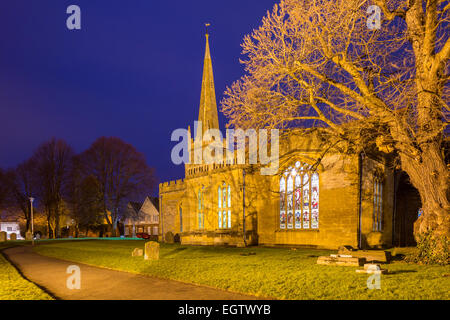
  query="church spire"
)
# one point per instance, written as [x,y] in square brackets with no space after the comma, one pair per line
[208,106]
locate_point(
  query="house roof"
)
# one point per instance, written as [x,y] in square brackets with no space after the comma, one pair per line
[155,201]
[136,205]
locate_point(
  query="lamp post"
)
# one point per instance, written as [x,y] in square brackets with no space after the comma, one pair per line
[32,221]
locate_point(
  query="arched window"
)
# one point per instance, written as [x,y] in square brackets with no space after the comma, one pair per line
[299,198]
[377,203]
[224,206]
[201,212]
[181,219]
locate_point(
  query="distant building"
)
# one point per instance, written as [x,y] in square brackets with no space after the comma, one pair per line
[142,217]
[10,227]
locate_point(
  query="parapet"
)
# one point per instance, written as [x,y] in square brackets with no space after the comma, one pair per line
[173,185]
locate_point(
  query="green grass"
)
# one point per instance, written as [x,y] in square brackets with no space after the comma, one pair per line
[12,285]
[277,273]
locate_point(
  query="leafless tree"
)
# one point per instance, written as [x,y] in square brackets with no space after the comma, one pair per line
[53,162]
[21,184]
[122,174]
[4,190]
[319,63]
[85,199]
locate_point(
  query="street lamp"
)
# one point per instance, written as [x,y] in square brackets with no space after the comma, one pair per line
[32,221]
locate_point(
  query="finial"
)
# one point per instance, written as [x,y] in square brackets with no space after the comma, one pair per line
[207,25]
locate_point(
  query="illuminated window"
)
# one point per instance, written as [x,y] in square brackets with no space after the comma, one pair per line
[181,219]
[377,204]
[299,198]
[201,212]
[224,207]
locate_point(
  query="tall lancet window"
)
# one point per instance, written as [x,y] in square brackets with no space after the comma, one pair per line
[377,203]
[299,198]
[201,211]
[224,206]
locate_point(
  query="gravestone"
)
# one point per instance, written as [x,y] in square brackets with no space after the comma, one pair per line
[345,250]
[28,236]
[2,236]
[13,237]
[374,239]
[137,252]
[151,250]
[169,237]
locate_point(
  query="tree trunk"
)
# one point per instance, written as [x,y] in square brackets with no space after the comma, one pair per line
[114,228]
[430,176]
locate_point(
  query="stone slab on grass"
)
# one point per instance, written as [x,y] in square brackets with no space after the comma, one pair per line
[341,261]
[373,255]
[372,268]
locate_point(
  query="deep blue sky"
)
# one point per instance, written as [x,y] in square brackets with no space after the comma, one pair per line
[133,71]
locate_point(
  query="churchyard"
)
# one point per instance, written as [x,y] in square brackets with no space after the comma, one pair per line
[280,273]
[13,285]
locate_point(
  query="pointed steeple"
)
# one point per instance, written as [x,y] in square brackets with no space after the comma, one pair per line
[208,105]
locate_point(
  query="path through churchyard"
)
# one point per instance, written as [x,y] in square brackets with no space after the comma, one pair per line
[104,284]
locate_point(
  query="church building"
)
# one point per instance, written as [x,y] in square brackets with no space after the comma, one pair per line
[316,199]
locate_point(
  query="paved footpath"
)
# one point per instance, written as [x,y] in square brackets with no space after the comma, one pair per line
[104,284]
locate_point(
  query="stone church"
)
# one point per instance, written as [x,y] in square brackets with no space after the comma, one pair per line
[316,199]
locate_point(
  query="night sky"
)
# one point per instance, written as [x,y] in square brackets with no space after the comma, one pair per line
[133,71]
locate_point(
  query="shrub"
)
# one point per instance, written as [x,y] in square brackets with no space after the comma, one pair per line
[431,249]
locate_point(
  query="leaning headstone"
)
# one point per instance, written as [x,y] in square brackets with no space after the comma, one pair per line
[13,237]
[169,237]
[345,250]
[28,236]
[2,236]
[374,239]
[137,252]
[151,250]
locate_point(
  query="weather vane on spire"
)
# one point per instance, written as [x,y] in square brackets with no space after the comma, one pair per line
[207,25]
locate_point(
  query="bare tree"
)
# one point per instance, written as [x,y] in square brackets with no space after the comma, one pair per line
[324,64]
[3,188]
[21,186]
[53,162]
[85,199]
[121,172]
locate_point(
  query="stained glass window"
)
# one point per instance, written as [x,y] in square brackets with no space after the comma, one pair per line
[224,207]
[306,202]
[282,203]
[315,201]
[299,197]
[298,202]
[290,205]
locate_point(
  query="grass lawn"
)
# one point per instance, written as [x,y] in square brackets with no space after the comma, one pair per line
[278,273]
[13,286]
